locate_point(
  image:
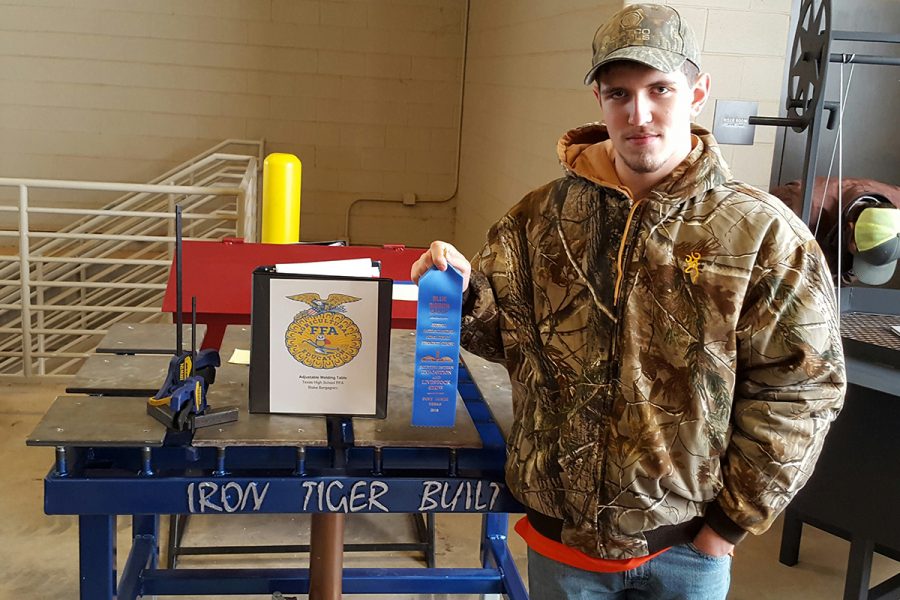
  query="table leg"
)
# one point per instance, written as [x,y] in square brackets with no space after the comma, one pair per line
[97,556]
[175,528]
[326,556]
[790,538]
[493,525]
[147,525]
[429,552]
[215,330]
[859,567]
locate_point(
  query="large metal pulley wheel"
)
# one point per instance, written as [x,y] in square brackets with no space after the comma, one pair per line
[809,60]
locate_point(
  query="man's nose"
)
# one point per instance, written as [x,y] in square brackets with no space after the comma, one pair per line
[639,111]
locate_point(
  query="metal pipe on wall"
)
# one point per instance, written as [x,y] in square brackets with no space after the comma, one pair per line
[462,94]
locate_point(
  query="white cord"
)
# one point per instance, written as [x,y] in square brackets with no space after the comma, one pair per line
[840,214]
[843,105]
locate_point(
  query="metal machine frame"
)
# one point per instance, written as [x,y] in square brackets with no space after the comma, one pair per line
[807,77]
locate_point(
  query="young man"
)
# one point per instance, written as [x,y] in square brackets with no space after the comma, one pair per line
[670,336]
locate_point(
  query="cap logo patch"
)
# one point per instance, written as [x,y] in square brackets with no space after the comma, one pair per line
[632,19]
[631,30]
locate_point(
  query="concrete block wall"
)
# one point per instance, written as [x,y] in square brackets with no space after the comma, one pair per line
[525,63]
[365,92]
[744,50]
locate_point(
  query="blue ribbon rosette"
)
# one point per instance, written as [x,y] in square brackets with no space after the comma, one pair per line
[438,319]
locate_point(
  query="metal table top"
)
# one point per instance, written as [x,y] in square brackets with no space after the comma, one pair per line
[872,329]
[257,429]
[146,338]
[143,374]
[102,421]
[492,381]
[396,431]
[393,431]
[121,375]
[872,350]
[236,337]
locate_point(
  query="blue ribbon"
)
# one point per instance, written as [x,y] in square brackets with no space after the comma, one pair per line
[437,348]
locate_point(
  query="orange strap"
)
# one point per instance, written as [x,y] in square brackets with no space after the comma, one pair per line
[574,558]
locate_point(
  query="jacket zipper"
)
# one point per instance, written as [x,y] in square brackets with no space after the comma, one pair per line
[625,249]
[620,268]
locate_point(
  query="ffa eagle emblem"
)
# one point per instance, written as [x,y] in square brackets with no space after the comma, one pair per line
[322,337]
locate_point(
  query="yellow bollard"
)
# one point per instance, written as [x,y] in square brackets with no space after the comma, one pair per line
[281,199]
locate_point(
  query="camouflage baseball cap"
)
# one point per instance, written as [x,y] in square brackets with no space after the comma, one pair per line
[652,34]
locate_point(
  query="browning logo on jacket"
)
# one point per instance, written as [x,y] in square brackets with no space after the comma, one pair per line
[672,358]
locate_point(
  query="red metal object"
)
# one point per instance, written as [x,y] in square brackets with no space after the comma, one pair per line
[219,274]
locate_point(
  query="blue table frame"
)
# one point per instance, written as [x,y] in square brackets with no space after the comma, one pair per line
[99,484]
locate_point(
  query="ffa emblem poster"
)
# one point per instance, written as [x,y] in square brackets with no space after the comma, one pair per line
[325,346]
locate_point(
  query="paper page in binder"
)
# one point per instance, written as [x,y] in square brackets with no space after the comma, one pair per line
[353,267]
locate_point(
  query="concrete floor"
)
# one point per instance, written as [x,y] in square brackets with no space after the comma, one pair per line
[39,554]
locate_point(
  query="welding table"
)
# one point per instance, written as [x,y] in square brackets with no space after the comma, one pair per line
[854,492]
[111,373]
[233,391]
[113,459]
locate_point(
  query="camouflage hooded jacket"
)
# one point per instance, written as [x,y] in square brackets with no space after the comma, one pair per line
[673,360]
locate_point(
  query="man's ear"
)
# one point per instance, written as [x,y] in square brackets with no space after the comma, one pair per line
[595,87]
[700,93]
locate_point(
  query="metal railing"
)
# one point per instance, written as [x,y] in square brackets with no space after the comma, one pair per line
[64,288]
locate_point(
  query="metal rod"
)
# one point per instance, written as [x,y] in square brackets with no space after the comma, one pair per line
[776,121]
[293,548]
[62,468]
[54,331]
[179,321]
[866,36]
[89,285]
[220,462]
[301,461]
[378,466]
[52,354]
[24,276]
[41,322]
[146,465]
[337,441]
[326,556]
[863,59]
[809,167]
[246,210]
[193,332]
[102,261]
[103,186]
[84,308]
[109,237]
[127,213]
[453,469]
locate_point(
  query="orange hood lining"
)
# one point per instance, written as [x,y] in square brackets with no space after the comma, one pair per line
[594,159]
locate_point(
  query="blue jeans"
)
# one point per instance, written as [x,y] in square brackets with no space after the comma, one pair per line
[680,573]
